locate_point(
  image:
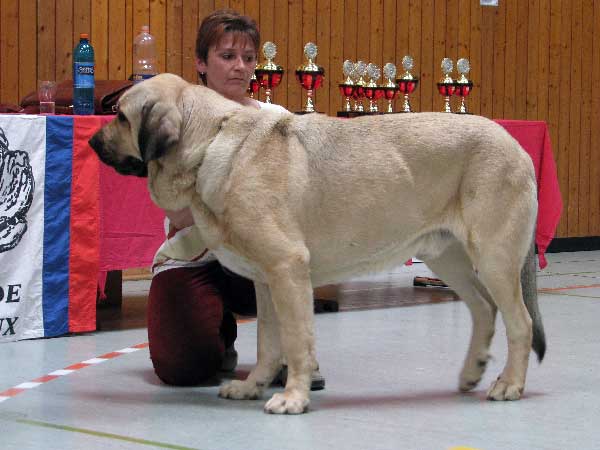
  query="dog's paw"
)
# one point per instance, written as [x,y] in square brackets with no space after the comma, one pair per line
[287,403]
[471,374]
[240,390]
[503,390]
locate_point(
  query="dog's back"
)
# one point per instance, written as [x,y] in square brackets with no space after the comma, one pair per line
[373,179]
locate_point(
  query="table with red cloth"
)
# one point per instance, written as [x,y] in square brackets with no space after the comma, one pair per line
[122,228]
[131,226]
[535,139]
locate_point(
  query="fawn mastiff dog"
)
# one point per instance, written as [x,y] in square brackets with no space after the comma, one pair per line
[298,201]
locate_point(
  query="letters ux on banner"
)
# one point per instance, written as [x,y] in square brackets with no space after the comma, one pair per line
[48,226]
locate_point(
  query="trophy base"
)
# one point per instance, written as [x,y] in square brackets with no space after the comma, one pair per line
[463,113]
[349,114]
[307,112]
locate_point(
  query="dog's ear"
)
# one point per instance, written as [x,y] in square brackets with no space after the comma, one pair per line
[159,129]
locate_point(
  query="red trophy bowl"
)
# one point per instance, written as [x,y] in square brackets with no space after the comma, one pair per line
[253,86]
[407,86]
[310,76]
[347,90]
[269,74]
[463,85]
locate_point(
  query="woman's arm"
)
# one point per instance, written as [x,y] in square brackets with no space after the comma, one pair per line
[180,219]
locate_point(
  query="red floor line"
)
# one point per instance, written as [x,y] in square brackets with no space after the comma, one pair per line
[20,388]
[566,288]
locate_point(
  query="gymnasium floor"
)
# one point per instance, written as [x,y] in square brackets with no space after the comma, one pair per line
[391,371]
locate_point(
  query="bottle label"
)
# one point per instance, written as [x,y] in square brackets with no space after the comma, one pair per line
[137,77]
[83,75]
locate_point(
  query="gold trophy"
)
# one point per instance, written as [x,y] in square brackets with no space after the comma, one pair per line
[358,75]
[463,85]
[390,88]
[407,83]
[347,88]
[446,85]
[371,91]
[310,76]
[269,74]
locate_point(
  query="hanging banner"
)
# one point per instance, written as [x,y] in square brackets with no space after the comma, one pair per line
[48,226]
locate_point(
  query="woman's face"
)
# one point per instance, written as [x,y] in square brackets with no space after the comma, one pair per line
[229,66]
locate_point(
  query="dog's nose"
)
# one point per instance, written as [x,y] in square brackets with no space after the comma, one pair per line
[95,142]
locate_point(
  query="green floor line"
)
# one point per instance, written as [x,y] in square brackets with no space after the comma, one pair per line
[103,435]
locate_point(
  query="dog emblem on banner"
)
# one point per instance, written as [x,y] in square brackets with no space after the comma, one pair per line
[16,194]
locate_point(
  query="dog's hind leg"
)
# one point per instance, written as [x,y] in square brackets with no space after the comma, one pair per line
[454,266]
[268,351]
[500,273]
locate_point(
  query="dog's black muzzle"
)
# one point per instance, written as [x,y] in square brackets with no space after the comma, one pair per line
[126,166]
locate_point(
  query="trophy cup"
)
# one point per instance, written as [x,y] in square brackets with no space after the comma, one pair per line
[358,74]
[407,83]
[253,86]
[310,76]
[446,86]
[371,88]
[347,88]
[269,74]
[390,88]
[463,85]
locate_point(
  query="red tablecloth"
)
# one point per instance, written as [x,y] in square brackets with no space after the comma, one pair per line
[131,227]
[534,138]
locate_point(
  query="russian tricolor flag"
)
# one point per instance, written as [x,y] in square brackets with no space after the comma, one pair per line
[48,273]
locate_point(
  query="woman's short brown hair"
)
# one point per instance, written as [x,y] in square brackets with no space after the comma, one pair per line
[216,24]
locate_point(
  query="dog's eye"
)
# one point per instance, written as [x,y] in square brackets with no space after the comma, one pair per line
[121,117]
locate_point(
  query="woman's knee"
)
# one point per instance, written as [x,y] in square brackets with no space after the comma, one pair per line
[185,314]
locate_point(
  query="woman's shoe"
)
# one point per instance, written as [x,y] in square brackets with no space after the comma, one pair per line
[317,381]
[230,359]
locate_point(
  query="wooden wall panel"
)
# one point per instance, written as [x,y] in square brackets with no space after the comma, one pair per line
[336,53]
[475,55]
[174,41]
[587,28]
[99,37]
[412,46]
[46,39]
[9,53]
[27,41]
[191,11]
[594,203]
[543,75]
[530,59]
[554,81]
[500,62]
[281,35]
[64,39]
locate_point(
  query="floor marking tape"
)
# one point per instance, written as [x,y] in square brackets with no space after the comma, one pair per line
[565,294]
[23,387]
[102,434]
[588,286]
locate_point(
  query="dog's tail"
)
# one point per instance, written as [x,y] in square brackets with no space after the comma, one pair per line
[529,287]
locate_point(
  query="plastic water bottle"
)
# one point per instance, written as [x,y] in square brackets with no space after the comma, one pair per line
[144,55]
[83,77]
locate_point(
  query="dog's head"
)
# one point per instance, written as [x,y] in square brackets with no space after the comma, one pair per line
[147,125]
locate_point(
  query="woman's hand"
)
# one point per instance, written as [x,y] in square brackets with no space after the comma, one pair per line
[180,219]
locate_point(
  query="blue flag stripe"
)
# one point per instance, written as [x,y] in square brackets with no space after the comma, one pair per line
[57,213]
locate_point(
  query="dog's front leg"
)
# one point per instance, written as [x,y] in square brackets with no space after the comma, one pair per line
[291,293]
[268,352]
